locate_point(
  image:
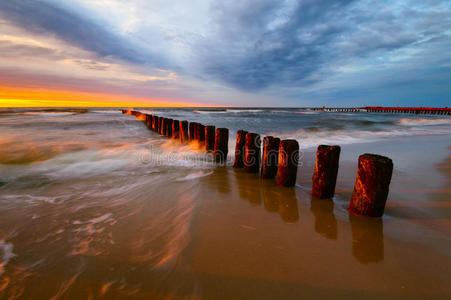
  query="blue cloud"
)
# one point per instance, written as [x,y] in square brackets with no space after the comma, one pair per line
[317,36]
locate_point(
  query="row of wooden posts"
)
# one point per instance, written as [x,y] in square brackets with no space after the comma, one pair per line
[279,160]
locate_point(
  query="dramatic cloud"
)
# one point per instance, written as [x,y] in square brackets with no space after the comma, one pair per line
[268,52]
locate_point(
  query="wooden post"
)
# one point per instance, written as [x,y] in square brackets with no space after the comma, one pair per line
[164,124]
[371,185]
[252,153]
[270,157]
[239,149]
[169,128]
[221,145]
[155,123]
[191,131]
[326,170]
[288,163]
[209,138]
[200,135]
[184,132]
[149,121]
[175,129]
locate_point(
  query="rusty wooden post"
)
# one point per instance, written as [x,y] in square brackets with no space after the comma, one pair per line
[270,157]
[169,128]
[149,121]
[252,153]
[191,131]
[201,135]
[288,162]
[164,124]
[239,149]
[175,129]
[184,132]
[326,170]
[371,185]
[156,123]
[209,138]
[221,145]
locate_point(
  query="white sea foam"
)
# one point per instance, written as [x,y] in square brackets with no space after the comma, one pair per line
[424,122]
[309,139]
[244,110]
[195,175]
[113,111]
[102,219]
[50,113]
[6,251]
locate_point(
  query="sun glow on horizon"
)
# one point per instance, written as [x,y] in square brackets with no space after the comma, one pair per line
[38,97]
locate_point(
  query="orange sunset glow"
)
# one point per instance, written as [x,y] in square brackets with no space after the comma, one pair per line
[28,97]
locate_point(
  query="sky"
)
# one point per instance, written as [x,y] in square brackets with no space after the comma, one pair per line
[225,53]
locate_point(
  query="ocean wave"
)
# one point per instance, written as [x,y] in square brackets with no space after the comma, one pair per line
[113,111]
[423,122]
[311,139]
[54,114]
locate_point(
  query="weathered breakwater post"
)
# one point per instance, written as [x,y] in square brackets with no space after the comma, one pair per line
[252,153]
[239,148]
[221,145]
[270,157]
[175,129]
[210,138]
[164,124]
[169,128]
[326,170]
[184,132]
[191,131]
[288,163]
[371,185]
[200,134]
[149,121]
[155,120]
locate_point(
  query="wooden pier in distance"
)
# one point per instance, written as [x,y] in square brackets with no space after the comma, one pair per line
[399,110]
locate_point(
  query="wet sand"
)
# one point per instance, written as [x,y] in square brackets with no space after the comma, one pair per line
[251,239]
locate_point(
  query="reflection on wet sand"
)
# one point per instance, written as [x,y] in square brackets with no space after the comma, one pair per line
[223,185]
[325,222]
[367,239]
[248,187]
[288,206]
[283,200]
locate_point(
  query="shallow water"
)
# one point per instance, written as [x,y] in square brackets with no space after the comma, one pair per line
[93,204]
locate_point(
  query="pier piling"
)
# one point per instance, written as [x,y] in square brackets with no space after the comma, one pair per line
[270,157]
[252,153]
[209,138]
[371,185]
[200,134]
[184,132]
[288,163]
[239,149]
[221,145]
[175,129]
[191,131]
[326,170]
[169,127]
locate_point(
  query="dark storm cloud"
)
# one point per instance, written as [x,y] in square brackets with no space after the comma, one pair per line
[45,18]
[315,35]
